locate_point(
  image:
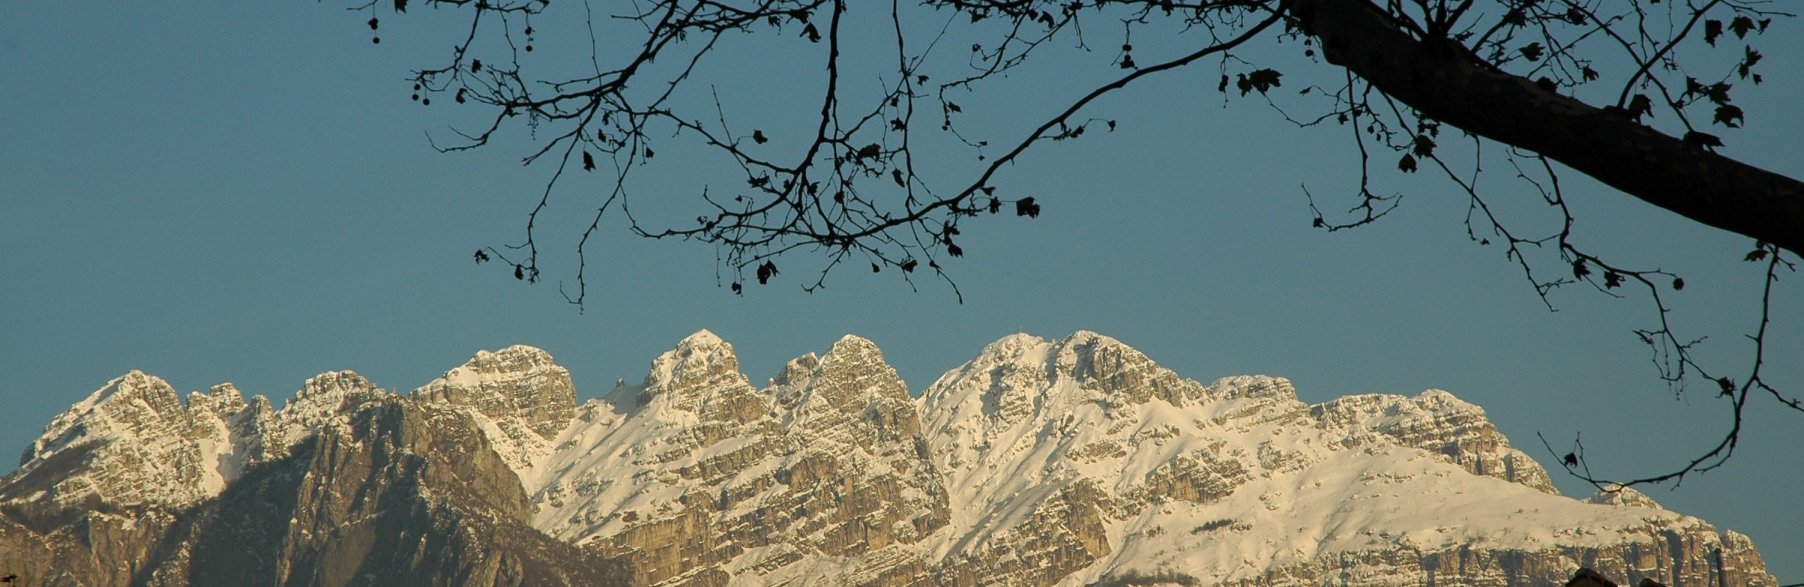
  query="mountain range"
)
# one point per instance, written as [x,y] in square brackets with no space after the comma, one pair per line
[1039,462]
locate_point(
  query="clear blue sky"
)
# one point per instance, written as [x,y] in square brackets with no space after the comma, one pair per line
[243,192]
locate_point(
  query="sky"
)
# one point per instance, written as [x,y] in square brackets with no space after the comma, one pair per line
[244,192]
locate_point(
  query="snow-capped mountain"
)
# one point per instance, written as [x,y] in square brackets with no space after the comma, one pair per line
[1071,462]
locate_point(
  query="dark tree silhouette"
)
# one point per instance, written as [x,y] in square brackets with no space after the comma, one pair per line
[1623,91]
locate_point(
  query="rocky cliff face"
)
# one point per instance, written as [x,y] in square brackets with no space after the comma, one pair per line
[403,493]
[1039,462]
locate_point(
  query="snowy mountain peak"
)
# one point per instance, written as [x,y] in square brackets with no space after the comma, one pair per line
[849,380]
[513,358]
[1118,373]
[826,462]
[856,354]
[137,386]
[135,401]
[515,383]
[324,400]
[699,362]
[1125,375]
[132,442]
[1085,345]
[518,395]
[1025,377]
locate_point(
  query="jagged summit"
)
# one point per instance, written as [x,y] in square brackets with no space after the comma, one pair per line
[848,381]
[858,354]
[851,347]
[518,394]
[137,391]
[1021,374]
[1038,462]
[517,382]
[134,442]
[698,362]
[219,400]
[825,464]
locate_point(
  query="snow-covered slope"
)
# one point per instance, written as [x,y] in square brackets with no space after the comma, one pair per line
[1039,462]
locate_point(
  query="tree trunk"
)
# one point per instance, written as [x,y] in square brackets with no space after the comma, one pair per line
[1451,86]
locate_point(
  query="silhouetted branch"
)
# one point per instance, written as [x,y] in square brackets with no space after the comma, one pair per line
[845,187]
